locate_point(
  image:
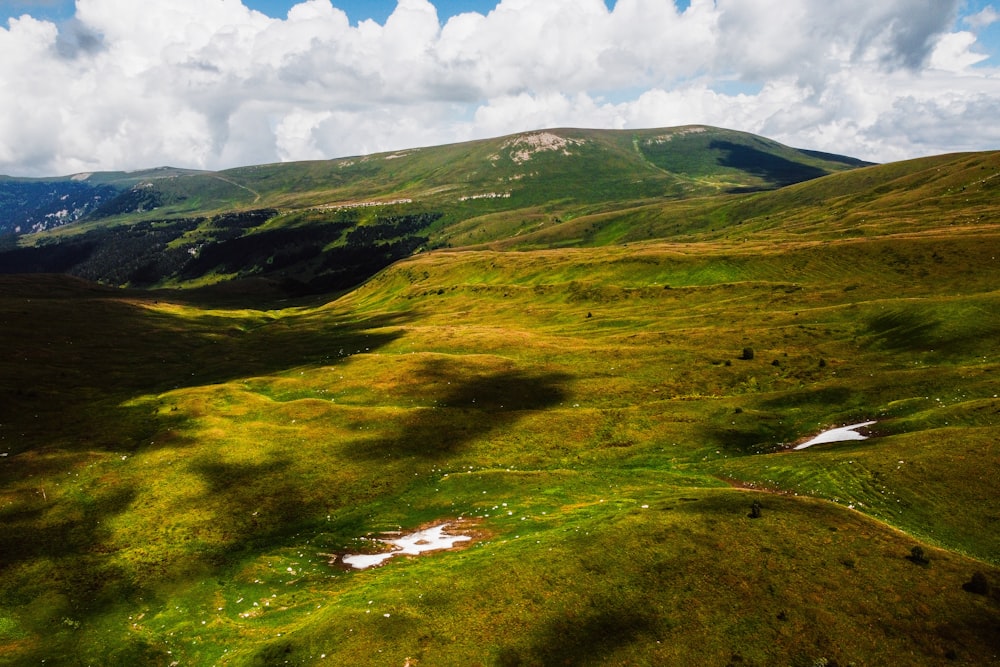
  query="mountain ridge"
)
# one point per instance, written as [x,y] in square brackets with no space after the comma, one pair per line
[633,162]
[322,225]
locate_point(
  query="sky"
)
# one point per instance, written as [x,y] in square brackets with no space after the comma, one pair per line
[97,85]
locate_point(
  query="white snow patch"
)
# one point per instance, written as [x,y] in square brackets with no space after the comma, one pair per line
[428,539]
[842,434]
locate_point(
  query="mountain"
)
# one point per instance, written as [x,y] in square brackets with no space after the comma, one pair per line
[318,226]
[36,205]
[543,167]
[28,206]
[605,401]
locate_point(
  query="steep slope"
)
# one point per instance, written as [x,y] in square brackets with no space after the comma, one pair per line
[959,191]
[28,206]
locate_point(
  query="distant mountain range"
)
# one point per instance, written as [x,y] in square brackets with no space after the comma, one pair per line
[31,205]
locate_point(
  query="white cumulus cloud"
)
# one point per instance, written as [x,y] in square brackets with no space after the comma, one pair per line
[214,84]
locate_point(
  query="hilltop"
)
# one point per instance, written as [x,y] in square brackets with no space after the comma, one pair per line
[604,398]
[319,226]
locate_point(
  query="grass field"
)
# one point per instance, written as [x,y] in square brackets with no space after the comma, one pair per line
[177,471]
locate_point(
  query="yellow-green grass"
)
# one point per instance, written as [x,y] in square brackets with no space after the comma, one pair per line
[687,579]
[913,480]
[956,193]
[170,464]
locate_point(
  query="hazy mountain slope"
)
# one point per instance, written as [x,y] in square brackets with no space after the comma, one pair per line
[728,157]
[544,167]
[33,205]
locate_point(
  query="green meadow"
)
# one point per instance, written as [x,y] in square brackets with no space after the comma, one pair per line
[606,404]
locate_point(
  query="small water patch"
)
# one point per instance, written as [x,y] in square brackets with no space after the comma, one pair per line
[413,544]
[842,434]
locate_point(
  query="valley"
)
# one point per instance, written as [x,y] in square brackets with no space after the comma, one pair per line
[599,380]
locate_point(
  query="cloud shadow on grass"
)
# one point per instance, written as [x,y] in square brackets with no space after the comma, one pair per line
[79,353]
[773,168]
[904,331]
[833,397]
[470,407]
[255,504]
[747,433]
[586,637]
[40,526]
[56,569]
[86,355]
[77,358]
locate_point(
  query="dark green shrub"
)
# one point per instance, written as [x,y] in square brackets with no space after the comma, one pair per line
[918,556]
[978,584]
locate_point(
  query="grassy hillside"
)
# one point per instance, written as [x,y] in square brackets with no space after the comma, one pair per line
[555,168]
[180,470]
[304,226]
[957,191]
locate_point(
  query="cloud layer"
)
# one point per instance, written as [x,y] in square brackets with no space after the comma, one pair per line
[213,84]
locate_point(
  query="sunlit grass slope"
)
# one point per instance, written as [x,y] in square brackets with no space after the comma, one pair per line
[957,193]
[177,475]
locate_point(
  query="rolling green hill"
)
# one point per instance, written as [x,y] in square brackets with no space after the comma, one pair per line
[318,226]
[604,403]
[561,168]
